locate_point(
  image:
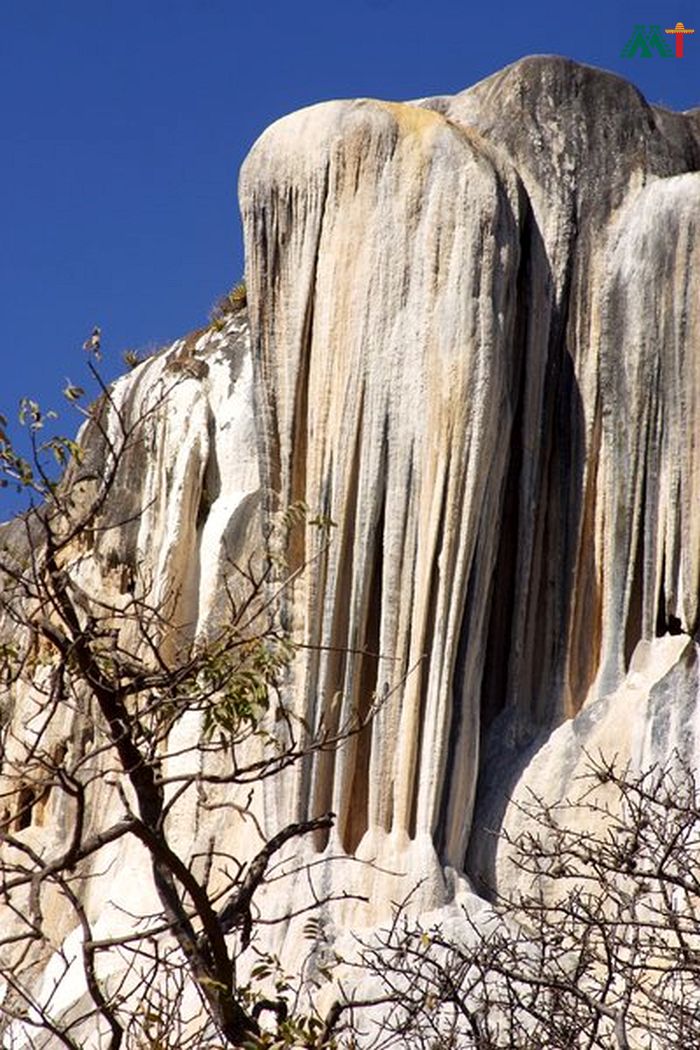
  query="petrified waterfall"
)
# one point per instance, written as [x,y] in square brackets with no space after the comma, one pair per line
[472,343]
[383,253]
[473,323]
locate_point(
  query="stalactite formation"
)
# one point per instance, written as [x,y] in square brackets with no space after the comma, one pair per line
[464,357]
[471,342]
[383,269]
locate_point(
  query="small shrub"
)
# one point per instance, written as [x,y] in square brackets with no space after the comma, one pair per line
[231,303]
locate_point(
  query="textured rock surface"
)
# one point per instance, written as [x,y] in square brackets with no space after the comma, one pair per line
[479,376]
[387,370]
[474,324]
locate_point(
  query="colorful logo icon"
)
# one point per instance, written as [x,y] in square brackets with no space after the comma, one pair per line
[679,32]
[649,40]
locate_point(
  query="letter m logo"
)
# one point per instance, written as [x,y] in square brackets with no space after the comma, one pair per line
[644,41]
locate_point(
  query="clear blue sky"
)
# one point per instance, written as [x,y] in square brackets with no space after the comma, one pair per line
[124,122]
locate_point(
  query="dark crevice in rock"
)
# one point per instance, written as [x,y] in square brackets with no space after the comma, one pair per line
[211,478]
[357,816]
[499,634]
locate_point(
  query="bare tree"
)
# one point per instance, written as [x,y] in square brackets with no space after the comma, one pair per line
[93,693]
[600,947]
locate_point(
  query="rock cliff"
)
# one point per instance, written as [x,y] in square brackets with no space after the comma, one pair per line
[471,342]
[464,356]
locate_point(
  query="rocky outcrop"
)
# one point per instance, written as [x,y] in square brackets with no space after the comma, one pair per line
[464,357]
[470,343]
[387,366]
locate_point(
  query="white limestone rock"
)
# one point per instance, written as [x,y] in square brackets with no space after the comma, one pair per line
[471,342]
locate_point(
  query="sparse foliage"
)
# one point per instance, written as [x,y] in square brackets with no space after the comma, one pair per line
[228,304]
[599,948]
[104,685]
[131,358]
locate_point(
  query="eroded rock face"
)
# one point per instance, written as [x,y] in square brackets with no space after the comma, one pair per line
[464,357]
[387,367]
[471,343]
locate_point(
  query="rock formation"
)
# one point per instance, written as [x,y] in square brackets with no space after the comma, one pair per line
[477,377]
[470,342]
